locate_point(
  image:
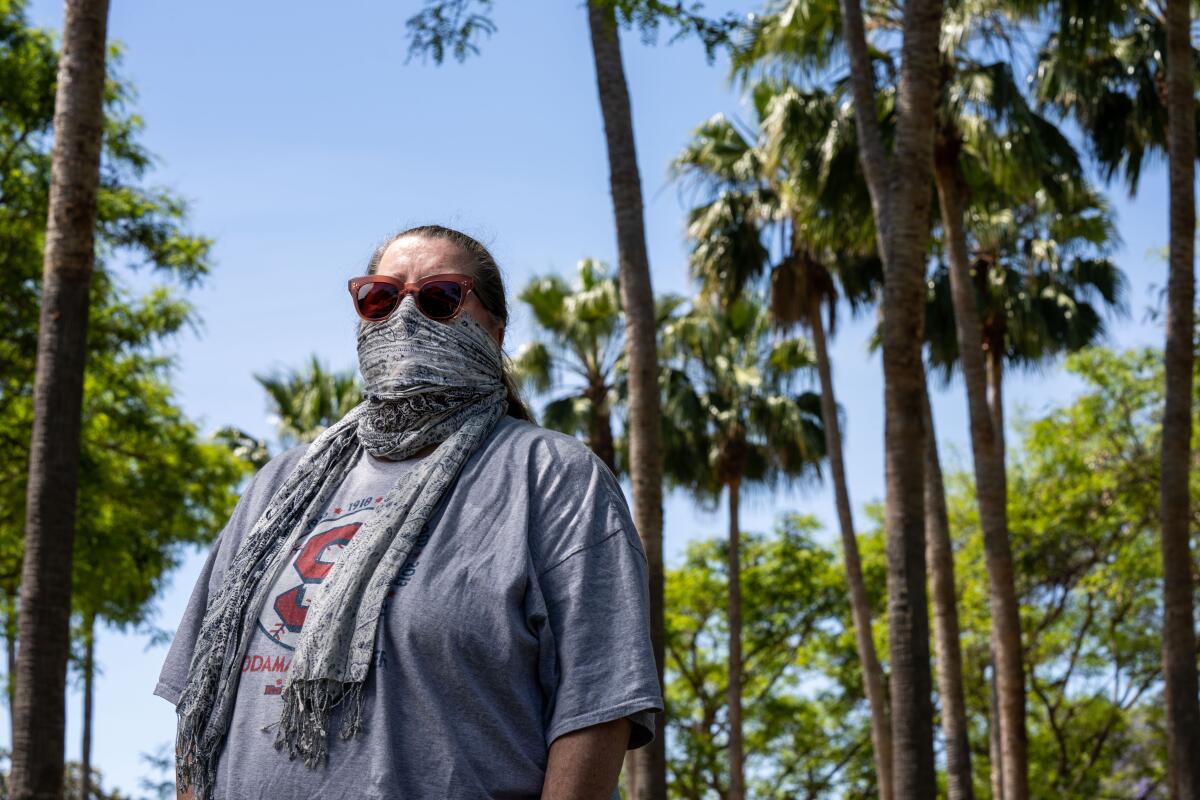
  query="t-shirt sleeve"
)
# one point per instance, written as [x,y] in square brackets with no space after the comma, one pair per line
[250,505]
[594,580]
[179,656]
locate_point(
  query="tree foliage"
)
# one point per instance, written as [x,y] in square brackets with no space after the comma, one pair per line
[149,483]
[740,417]
[806,727]
[1084,518]
[304,402]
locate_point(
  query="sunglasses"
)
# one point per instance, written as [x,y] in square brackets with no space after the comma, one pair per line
[439,297]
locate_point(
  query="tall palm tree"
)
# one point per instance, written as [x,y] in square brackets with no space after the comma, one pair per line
[45,604]
[1126,74]
[88,668]
[988,131]
[641,346]
[582,323]
[990,488]
[794,174]
[305,402]
[939,552]
[800,39]
[1179,633]
[751,429]
[900,200]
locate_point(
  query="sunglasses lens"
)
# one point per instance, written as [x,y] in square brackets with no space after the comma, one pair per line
[440,299]
[376,300]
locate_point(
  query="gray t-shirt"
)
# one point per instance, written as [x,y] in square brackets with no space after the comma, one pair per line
[521,614]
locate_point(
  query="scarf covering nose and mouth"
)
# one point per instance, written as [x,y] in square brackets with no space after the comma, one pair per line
[425,383]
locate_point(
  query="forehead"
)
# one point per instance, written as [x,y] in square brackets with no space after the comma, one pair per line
[411,258]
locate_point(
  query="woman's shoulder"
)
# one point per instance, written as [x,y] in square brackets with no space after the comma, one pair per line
[574,498]
[549,452]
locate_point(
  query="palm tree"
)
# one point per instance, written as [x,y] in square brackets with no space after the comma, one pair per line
[641,347]
[939,552]
[45,604]
[899,186]
[806,35]
[1179,633]
[1040,291]
[243,445]
[582,324]
[792,175]
[1108,71]
[990,489]
[305,402]
[746,427]
[1127,76]
[88,668]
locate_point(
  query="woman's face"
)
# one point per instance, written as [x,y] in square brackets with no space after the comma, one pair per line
[411,258]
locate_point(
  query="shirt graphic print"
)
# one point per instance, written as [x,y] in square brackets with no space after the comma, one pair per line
[284,613]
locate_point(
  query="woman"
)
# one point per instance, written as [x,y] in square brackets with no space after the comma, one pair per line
[436,598]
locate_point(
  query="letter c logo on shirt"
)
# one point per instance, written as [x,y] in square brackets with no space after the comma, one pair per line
[283,618]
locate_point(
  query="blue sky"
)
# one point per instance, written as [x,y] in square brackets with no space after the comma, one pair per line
[301,138]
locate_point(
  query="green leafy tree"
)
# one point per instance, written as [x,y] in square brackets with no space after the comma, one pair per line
[1084,509]
[1126,73]
[751,429]
[148,484]
[807,730]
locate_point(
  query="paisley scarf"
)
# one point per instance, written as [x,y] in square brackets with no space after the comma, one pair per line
[425,383]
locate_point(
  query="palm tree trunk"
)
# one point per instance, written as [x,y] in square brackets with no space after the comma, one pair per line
[630,770]
[45,608]
[989,478]
[940,554]
[10,647]
[900,199]
[1179,642]
[995,397]
[737,789]
[641,350]
[873,681]
[89,676]
[600,436]
[995,749]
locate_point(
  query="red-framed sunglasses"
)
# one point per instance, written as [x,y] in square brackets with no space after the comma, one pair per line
[439,297]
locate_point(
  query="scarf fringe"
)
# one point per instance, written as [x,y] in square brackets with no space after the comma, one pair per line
[191,770]
[304,724]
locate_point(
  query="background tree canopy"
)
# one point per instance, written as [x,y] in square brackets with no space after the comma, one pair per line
[150,484]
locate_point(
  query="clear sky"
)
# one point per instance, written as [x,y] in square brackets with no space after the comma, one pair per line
[301,138]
